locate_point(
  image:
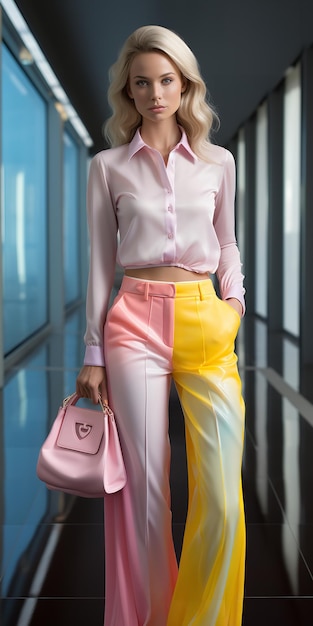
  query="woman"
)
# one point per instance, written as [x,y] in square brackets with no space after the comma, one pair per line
[169,193]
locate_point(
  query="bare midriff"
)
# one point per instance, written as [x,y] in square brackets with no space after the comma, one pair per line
[168,274]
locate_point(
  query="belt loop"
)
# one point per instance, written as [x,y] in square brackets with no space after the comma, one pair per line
[201,292]
[146,292]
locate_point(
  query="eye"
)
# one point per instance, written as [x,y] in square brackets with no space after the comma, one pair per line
[167,80]
[141,82]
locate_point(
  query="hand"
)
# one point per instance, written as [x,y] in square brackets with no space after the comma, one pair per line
[91,381]
[235,304]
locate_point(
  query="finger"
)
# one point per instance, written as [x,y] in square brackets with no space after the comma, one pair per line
[104,392]
[79,390]
[94,395]
[82,392]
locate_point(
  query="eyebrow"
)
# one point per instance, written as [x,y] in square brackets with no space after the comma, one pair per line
[162,75]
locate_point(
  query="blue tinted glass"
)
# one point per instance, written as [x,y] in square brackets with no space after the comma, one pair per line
[24,234]
[25,424]
[71,220]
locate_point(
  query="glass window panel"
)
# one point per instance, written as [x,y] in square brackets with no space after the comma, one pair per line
[240,222]
[261,427]
[292,491]
[25,421]
[24,201]
[71,221]
[241,188]
[292,148]
[291,361]
[261,225]
[260,330]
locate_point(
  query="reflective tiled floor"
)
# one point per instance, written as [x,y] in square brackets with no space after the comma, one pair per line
[51,545]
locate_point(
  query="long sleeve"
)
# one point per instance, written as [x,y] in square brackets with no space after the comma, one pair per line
[102,226]
[229,268]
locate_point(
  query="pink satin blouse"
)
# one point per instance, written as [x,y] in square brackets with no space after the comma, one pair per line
[143,213]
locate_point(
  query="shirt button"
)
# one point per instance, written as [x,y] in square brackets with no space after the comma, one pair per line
[170,208]
[170,235]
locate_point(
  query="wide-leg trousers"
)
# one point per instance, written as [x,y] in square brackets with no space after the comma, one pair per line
[154,332]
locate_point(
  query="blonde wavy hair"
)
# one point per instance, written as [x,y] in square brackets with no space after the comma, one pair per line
[195,114]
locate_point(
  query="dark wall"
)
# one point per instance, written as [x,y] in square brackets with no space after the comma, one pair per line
[243,47]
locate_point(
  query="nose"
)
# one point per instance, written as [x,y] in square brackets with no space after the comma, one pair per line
[155,92]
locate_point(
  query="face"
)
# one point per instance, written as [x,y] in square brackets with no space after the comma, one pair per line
[155,86]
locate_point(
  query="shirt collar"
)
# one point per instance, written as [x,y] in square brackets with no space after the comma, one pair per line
[137,144]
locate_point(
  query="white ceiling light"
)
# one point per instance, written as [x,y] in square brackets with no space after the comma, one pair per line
[25,56]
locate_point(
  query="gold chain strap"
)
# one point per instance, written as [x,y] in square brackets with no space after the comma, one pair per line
[104,407]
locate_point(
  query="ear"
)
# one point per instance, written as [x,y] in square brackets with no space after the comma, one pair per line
[129,92]
[184,84]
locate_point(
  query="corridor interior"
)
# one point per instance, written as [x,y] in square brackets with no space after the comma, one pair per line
[52,545]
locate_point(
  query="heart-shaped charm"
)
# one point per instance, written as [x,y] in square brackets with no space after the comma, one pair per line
[82,430]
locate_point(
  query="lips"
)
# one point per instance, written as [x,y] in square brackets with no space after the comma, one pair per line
[158,108]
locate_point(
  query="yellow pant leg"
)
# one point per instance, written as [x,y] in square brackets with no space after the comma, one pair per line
[209,589]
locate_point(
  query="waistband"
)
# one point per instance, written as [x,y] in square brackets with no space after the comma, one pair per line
[146,288]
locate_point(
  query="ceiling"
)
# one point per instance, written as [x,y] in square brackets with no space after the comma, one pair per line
[243,47]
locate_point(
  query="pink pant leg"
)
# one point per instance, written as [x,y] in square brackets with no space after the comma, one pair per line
[141,568]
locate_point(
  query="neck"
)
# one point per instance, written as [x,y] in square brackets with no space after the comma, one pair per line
[162,137]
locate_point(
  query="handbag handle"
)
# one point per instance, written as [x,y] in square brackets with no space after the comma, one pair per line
[74,397]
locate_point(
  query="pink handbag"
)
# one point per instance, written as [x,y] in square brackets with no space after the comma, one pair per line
[82,453]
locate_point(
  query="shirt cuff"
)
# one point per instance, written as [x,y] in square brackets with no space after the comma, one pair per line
[94,356]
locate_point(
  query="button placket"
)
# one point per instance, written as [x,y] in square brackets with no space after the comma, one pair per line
[170,216]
